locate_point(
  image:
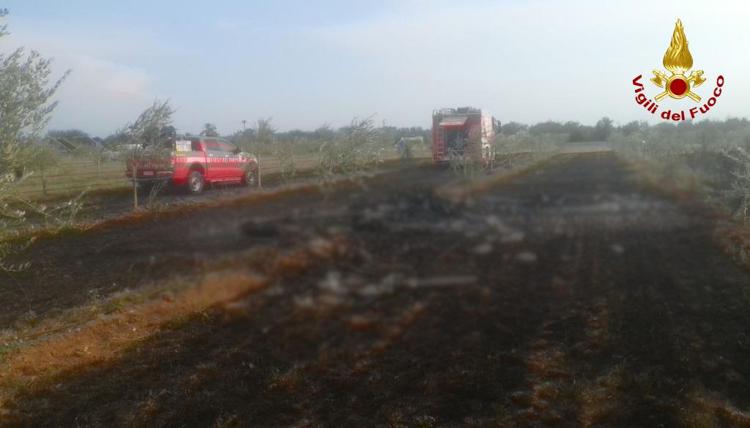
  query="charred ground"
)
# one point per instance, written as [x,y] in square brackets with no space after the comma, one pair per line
[568,296]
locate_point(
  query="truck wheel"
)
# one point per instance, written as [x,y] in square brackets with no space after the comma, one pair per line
[250,179]
[195,182]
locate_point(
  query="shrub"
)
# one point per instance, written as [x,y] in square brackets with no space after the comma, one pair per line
[709,155]
[146,138]
[285,153]
[357,149]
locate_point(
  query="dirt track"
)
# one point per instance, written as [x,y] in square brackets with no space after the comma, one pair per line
[568,297]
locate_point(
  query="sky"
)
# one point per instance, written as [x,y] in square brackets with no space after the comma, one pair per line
[306,63]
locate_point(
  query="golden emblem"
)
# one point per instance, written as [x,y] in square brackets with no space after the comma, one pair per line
[678,61]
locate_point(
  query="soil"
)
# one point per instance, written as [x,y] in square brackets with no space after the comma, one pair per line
[569,296]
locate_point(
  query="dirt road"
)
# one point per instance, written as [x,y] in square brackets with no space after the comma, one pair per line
[569,296]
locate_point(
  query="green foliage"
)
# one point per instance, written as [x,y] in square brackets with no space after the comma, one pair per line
[513,128]
[25,109]
[264,139]
[17,212]
[41,157]
[285,153]
[324,133]
[356,148]
[740,187]
[147,137]
[603,129]
[259,141]
[549,127]
[70,139]
[264,133]
[148,129]
[245,140]
[79,145]
[116,140]
[25,103]
[666,141]
[633,127]
[570,131]
[523,145]
[711,156]
[209,130]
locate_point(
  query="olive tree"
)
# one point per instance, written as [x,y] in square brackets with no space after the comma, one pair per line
[209,130]
[264,133]
[25,103]
[145,138]
[25,107]
[39,159]
[350,152]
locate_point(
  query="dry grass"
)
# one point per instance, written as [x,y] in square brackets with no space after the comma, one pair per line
[599,400]
[707,409]
[100,334]
[138,217]
[104,339]
[731,235]
[74,176]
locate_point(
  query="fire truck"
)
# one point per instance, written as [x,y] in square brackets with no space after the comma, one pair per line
[463,133]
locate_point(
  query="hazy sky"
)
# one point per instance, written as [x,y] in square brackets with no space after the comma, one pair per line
[306,62]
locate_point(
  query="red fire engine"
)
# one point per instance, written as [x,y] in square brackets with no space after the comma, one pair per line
[463,133]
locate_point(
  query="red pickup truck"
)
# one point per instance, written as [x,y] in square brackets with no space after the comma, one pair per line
[193,162]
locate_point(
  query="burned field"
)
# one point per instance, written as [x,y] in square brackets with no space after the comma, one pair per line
[566,296]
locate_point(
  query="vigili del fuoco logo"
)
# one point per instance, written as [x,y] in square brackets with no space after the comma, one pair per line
[678,82]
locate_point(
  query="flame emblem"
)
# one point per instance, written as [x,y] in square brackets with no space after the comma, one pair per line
[678,61]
